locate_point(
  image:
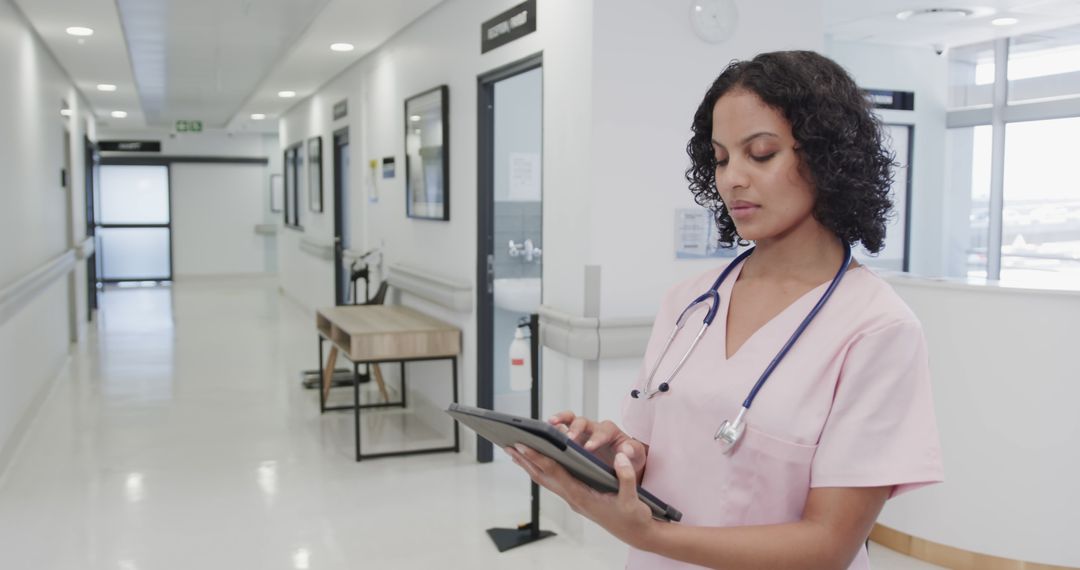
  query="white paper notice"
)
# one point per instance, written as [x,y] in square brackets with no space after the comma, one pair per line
[696,236]
[524,177]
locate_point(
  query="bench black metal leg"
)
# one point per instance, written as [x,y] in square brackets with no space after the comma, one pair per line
[454,376]
[322,389]
[404,391]
[356,404]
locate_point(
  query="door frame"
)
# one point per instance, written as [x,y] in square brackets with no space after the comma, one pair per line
[341,139]
[91,161]
[485,244]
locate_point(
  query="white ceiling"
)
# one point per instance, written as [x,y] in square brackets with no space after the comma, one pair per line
[309,63]
[219,61]
[200,59]
[875,21]
[101,58]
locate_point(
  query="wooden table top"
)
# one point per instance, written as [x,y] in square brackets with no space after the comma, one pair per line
[387,332]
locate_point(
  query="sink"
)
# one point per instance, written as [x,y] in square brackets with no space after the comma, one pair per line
[518,295]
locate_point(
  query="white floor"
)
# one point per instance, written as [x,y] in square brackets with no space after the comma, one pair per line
[179,438]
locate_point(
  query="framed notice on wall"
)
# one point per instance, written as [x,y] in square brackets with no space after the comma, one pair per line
[277,193]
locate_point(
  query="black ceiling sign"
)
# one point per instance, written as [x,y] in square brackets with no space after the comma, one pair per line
[897,100]
[510,25]
[129,146]
[341,108]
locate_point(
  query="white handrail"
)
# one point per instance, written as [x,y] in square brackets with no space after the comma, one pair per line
[17,295]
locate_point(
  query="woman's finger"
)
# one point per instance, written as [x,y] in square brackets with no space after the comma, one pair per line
[628,496]
[542,462]
[562,418]
[603,434]
[578,428]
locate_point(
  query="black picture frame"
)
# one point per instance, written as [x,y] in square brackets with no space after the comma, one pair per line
[314,171]
[293,163]
[427,158]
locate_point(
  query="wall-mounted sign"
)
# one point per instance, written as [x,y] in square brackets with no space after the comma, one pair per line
[510,25]
[896,100]
[388,167]
[341,108]
[189,126]
[696,236]
[129,146]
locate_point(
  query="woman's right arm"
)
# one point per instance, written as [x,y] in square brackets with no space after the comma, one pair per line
[604,439]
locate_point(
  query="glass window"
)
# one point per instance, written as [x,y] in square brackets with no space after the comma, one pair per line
[968,209]
[134,253]
[1045,65]
[1040,242]
[971,76]
[134,195]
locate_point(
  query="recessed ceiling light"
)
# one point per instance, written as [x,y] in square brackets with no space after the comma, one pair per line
[65,112]
[342,47]
[258,116]
[286,94]
[119,114]
[79,31]
[106,87]
[1004,21]
[415,118]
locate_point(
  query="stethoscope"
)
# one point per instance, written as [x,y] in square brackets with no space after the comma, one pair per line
[731,432]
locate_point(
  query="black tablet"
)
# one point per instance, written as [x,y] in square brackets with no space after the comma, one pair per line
[505,430]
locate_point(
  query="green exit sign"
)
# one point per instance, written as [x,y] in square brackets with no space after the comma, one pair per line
[188,126]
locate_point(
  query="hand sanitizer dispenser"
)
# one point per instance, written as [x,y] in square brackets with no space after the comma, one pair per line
[520,362]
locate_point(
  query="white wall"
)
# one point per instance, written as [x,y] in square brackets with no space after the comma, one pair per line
[1005,386]
[34,217]
[919,70]
[215,208]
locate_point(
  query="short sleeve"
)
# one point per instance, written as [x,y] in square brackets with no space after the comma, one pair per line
[882,429]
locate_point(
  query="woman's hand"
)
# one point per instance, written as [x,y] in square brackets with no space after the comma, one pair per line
[604,439]
[621,514]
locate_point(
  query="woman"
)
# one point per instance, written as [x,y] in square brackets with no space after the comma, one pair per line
[787,153]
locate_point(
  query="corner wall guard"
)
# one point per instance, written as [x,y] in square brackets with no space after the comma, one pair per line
[593,338]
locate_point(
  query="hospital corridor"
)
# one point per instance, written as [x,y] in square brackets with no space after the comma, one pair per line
[492,284]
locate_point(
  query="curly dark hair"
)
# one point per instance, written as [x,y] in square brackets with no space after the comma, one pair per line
[839,140]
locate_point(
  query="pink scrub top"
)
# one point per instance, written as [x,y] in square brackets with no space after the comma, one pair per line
[849,406]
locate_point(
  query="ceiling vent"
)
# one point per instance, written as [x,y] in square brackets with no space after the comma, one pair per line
[943,15]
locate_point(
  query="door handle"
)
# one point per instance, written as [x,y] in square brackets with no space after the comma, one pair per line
[491,274]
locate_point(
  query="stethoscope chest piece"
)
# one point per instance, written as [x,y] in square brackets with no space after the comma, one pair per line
[730,433]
